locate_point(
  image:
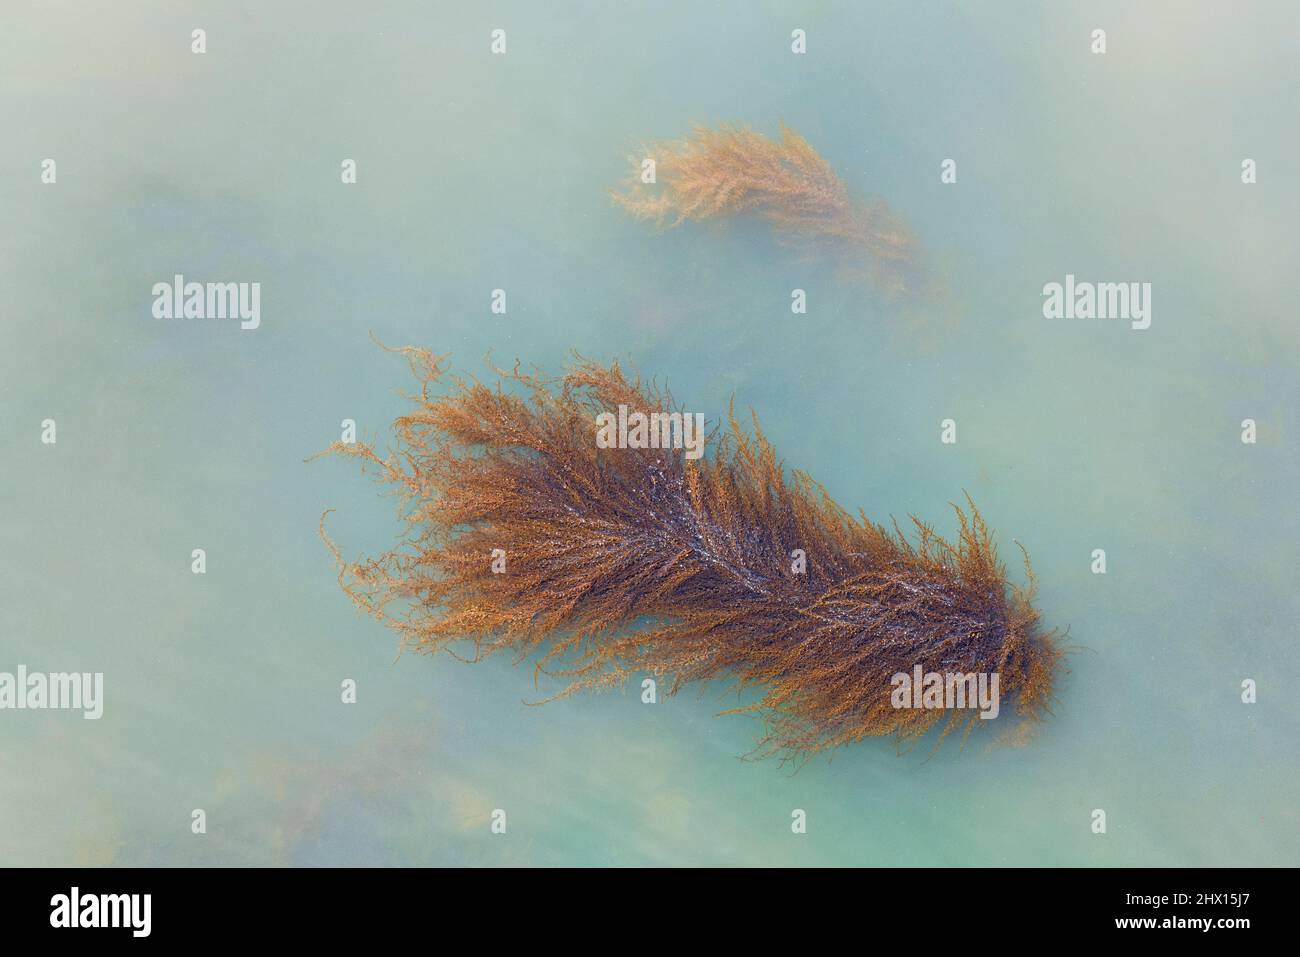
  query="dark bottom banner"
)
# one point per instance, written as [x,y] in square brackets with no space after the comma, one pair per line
[333,907]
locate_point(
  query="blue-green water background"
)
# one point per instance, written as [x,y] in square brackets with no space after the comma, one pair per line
[479,172]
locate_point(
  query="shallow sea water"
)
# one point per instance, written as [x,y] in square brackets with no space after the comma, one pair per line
[479,172]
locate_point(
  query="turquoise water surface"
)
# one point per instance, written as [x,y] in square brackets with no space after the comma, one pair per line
[479,171]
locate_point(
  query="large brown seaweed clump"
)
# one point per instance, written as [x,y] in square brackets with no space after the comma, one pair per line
[525,537]
[733,170]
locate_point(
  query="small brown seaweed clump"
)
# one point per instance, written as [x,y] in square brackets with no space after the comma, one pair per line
[525,537]
[733,170]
